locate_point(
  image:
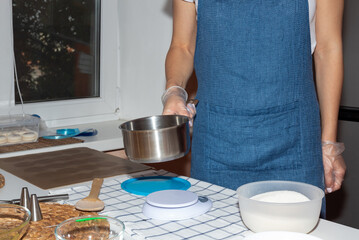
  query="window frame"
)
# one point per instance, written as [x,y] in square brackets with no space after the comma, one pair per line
[67,112]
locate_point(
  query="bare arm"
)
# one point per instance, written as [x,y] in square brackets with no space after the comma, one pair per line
[328,58]
[179,61]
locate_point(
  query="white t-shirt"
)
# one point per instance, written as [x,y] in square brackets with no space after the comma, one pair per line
[312,10]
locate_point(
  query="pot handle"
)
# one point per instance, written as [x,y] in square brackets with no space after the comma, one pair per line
[194,102]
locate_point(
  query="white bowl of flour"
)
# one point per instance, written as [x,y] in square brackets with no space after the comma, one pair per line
[280,206]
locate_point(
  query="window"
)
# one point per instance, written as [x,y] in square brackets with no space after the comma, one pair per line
[57,45]
[66,55]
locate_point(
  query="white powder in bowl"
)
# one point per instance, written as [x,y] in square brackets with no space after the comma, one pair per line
[280,197]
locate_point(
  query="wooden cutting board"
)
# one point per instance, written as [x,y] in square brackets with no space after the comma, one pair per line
[61,168]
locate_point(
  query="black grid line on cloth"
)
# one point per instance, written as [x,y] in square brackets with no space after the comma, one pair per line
[222,221]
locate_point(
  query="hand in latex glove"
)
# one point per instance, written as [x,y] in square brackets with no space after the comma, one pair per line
[174,103]
[334,165]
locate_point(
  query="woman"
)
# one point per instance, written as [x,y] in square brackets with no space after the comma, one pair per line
[258,115]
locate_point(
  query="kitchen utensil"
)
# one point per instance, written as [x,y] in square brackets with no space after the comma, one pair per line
[280,235]
[92,202]
[40,199]
[25,198]
[156,138]
[261,216]
[35,209]
[14,221]
[146,185]
[56,169]
[175,205]
[89,228]
[71,132]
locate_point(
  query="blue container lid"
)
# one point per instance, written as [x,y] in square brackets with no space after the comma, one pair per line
[146,185]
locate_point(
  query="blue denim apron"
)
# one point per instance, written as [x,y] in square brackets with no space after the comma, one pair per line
[258,115]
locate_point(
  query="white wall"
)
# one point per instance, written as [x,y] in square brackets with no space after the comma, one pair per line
[145,35]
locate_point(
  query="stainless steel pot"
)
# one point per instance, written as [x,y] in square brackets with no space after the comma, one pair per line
[157,138]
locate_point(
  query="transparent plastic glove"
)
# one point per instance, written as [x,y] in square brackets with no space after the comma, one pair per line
[334,165]
[174,102]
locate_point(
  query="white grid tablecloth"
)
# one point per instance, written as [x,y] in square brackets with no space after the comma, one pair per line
[223,221]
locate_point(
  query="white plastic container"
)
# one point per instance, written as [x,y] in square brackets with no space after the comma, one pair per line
[261,216]
[16,129]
